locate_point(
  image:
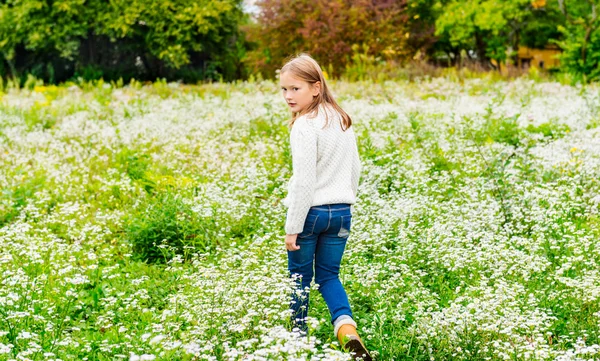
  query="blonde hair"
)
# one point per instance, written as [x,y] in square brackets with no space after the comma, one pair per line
[305,68]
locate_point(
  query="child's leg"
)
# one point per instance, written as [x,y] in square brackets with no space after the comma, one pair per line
[300,265]
[328,256]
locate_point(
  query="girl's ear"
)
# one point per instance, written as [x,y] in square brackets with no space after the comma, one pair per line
[316,88]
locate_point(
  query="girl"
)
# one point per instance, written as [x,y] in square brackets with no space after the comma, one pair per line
[323,186]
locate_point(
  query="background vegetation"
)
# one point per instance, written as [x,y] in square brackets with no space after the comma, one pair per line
[144,222]
[57,40]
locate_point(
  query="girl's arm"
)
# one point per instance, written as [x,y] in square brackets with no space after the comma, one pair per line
[356,168]
[303,141]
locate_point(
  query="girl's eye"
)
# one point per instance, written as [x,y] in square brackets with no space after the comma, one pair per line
[295,89]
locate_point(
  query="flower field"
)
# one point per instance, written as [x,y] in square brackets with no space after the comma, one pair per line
[145,222]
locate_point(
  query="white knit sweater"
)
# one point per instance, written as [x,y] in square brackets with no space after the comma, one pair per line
[326,167]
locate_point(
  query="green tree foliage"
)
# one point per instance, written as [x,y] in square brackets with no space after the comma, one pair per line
[135,38]
[581,43]
[541,26]
[193,40]
[488,28]
[170,30]
[327,29]
[41,27]
[422,15]
[44,25]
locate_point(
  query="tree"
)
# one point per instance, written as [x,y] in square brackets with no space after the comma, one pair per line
[327,29]
[52,28]
[541,25]
[581,43]
[421,39]
[170,30]
[129,38]
[487,27]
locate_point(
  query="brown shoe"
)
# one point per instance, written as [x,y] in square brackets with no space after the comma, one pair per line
[358,349]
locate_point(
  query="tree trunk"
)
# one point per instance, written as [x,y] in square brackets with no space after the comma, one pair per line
[480,49]
[11,66]
[91,47]
[586,39]
[588,32]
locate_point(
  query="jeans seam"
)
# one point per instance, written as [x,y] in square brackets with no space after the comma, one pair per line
[312,230]
[329,209]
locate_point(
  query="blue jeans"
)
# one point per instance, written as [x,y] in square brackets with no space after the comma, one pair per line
[322,243]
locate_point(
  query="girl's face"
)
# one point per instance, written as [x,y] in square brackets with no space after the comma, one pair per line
[298,93]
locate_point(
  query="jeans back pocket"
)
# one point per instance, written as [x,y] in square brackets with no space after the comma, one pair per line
[345,226]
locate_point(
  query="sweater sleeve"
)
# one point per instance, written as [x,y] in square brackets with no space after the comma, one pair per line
[356,168]
[303,141]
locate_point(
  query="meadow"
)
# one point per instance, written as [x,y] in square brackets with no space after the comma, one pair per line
[144,222]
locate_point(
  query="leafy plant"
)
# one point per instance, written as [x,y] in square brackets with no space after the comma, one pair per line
[166,226]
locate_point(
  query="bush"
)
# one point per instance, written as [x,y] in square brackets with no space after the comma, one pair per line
[165,227]
[170,223]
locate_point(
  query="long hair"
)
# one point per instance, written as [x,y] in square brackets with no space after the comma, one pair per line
[307,69]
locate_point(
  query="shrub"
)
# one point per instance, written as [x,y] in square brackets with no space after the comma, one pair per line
[171,222]
[166,226]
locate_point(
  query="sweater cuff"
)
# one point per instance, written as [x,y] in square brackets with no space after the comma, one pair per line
[294,225]
[293,229]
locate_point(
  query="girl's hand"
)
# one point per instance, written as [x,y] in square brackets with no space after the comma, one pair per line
[290,242]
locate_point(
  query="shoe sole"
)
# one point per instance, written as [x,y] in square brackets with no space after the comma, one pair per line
[360,353]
